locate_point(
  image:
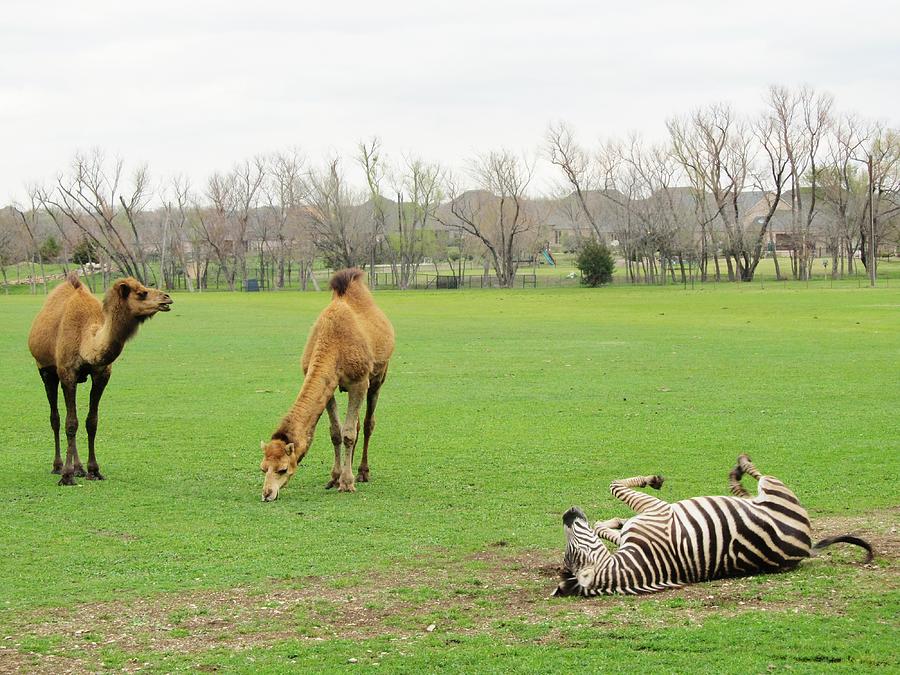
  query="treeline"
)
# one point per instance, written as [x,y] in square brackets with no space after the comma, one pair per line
[718,195]
[718,187]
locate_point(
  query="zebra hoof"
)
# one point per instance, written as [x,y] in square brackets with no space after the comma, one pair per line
[656,482]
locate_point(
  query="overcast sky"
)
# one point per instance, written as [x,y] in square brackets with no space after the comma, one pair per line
[194,86]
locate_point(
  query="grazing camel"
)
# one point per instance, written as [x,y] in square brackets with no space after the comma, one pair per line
[349,347]
[73,336]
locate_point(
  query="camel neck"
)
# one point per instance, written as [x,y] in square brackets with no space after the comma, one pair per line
[300,421]
[110,339]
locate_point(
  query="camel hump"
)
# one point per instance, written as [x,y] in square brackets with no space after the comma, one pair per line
[342,279]
[74,280]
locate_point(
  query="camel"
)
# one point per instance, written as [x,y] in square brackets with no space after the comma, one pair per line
[74,336]
[349,347]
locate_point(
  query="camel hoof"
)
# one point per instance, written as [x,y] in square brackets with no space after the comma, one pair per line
[330,484]
[67,480]
[362,477]
[347,488]
[95,475]
[79,472]
[57,470]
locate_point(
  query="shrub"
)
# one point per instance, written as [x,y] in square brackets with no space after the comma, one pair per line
[595,261]
[50,249]
[84,253]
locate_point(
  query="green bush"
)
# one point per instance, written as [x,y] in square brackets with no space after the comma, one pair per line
[595,261]
[50,249]
[84,252]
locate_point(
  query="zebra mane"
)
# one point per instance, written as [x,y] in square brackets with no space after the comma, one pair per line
[568,586]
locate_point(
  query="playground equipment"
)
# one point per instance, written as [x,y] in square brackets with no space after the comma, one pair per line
[549,257]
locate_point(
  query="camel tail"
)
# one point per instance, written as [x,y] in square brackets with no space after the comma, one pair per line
[342,279]
[74,280]
[848,539]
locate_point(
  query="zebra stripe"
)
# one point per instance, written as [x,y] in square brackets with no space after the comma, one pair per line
[699,539]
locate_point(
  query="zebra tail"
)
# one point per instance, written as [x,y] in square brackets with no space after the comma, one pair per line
[848,539]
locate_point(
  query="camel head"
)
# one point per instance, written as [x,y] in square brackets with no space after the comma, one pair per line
[131,296]
[279,464]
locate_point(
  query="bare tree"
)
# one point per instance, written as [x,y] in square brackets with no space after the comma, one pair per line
[29,220]
[246,180]
[333,215]
[843,187]
[716,151]
[224,223]
[860,184]
[417,187]
[214,224]
[575,164]
[90,197]
[285,191]
[641,203]
[10,242]
[801,119]
[883,160]
[178,232]
[499,214]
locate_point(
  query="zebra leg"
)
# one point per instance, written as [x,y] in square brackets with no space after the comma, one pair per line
[638,501]
[611,524]
[613,536]
[744,465]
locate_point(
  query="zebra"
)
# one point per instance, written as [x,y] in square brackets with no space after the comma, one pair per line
[670,545]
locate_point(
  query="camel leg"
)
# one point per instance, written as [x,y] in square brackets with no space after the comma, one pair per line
[51,387]
[743,466]
[368,428]
[336,441]
[98,384]
[68,472]
[639,501]
[350,431]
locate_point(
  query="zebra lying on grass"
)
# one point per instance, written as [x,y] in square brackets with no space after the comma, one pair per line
[670,545]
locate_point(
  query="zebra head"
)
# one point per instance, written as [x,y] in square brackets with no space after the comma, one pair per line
[584,551]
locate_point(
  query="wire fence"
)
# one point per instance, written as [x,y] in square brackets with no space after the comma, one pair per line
[385,280]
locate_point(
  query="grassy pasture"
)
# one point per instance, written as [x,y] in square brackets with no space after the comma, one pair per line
[501,409]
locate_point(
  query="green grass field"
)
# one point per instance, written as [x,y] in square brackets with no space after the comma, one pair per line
[501,410]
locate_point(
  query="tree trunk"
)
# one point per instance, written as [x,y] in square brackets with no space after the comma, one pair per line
[43,273]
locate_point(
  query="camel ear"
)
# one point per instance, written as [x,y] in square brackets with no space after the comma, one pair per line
[289,449]
[262,445]
[124,289]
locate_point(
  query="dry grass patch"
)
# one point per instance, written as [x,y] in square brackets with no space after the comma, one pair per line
[486,591]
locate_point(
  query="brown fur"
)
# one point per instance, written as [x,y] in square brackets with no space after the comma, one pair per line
[349,347]
[74,336]
[341,280]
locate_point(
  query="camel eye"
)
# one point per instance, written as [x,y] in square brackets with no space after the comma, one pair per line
[281,472]
[142,295]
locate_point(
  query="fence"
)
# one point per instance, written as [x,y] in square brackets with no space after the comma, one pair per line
[213,280]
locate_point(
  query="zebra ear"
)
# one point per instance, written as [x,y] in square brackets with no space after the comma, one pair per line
[568,586]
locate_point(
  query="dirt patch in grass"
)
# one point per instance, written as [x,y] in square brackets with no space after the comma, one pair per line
[493,590]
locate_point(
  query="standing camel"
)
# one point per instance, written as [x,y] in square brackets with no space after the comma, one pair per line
[349,347]
[73,336]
